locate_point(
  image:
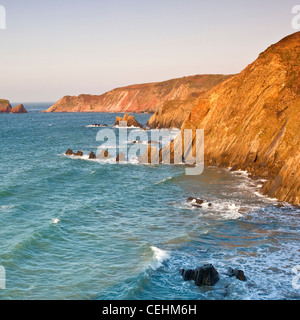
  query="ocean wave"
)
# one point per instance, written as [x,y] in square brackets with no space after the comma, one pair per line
[163,180]
[96,126]
[159,256]
[55,221]
[217,209]
[6,207]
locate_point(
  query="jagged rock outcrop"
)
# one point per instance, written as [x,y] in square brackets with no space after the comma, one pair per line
[252,121]
[205,275]
[148,97]
[173,113]
[131,122]
[19,109]
[5,106]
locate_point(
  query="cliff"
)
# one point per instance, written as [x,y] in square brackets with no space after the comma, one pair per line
[5,106]
[173,112]
[252,121]
[148,97]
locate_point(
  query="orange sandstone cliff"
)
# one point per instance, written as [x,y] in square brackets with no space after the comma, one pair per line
[173,112]
[252,121]
[148,97]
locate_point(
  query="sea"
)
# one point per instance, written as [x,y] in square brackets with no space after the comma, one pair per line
[78,229]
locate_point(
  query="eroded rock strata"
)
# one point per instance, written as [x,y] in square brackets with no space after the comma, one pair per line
[252,121]
[148,97]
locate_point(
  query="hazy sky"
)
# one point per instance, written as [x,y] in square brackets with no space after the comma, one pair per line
[67,47]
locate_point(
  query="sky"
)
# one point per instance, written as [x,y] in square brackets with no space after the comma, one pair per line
[53,48]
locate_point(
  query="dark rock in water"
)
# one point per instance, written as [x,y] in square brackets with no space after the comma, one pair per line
[96,125]
[79,154]
[121,157]
[206,275]
[234,168]
[188,274]
[196,202]
[210,204]
[131,122]
[239,274]
[92,155]
[69,152]
[104,154]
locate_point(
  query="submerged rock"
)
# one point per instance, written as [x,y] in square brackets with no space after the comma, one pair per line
[78,154]
[92,155]
[121,157]
[195,200]
[239,274]
[104,154]
[206,275]
[69,152]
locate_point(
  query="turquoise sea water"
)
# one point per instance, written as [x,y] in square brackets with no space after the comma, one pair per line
[80,229]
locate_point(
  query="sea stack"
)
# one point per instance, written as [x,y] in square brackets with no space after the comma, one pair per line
[131,122]
[5,106]
[19,109]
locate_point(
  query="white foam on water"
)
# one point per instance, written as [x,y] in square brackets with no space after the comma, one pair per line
[93,126]
[131,127]
[6,207]
[55,221]
[265,197]
[159,256]
[163,180]
[225,210]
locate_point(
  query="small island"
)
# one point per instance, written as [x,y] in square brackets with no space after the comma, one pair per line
[5,107]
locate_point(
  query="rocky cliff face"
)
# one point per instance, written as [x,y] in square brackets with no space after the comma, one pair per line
[5,106]
[173,112]
[148,97]
[252,121]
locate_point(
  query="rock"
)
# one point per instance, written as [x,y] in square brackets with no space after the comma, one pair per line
[266,92]
[96,125]
[121,157]
[206,275]
[19,109]
[195,201]
[5,106]
[92,155]
[131,122]
[104,154]
[239,274]
[234,168]
[78,154]
[69,152]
